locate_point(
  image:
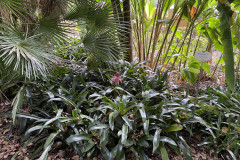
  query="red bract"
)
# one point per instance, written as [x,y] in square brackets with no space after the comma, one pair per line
[117,78]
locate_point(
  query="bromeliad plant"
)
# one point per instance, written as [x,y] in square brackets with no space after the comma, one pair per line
[96,117]
[101,118]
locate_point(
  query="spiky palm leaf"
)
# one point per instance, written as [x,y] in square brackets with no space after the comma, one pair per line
[52,29]
[7,80]
[102,39]
[23,54]
[12,7]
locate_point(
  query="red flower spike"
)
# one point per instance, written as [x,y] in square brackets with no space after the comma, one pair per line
[117,78]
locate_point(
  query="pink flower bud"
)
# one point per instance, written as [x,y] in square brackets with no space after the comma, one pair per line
[117,78]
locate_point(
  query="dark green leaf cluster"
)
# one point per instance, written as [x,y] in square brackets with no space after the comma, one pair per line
[90,113]
[220,109]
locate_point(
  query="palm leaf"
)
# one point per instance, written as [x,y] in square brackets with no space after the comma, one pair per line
[52,29]
[12,7]
[103,36]
[25,55]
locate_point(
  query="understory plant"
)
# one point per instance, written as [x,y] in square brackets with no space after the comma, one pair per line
[96,117]
[86,110]
[220,109]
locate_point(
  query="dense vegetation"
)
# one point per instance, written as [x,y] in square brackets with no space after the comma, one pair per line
[86,74]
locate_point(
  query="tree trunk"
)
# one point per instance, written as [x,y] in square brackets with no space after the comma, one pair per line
[128,31]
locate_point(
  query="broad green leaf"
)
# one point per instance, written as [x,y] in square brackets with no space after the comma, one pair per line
[156,140]
[146,126]
[106,154]
[226,36]
[173,104]
[127,121]
[193,70]
[99,126]
[110,102]
[104,138]
[51,120]
[48,145]
[116,151]
[142,142]
[142,154]
[167,140]
[124,134]
[74,113]
[143,114]
[87,146]
[18,102]
[69,101]
[50,139]
[206,67]
[77,138]
[173,128]
[45,153]
[32,117]
[112,117]
[163,152]
[232,154]
[35,128]
[185,151]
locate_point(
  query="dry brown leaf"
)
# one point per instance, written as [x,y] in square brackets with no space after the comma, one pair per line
[1,155]
[5,156]
[61,153]
[12,153]
[26,158]
[76,157]
[192,11]
[224,129]
[179,81]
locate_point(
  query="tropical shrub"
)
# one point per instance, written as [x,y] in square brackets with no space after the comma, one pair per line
[86,110]
[95,116]
[220,109]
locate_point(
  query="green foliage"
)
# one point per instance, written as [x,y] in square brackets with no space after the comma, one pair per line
[7,81]
[87,111]
[101,39]
[24,55]
[94,116]
[80,106]
[71,50]
[29,38]
[225,18]
[220,109]
[190,74]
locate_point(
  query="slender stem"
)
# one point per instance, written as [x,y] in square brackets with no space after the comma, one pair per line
[190,37]
[215,68]
[174,33]
[154,24]
[195,50]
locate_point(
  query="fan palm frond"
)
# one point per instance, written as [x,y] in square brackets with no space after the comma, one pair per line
[53,29]
[103,29]
[7,80]
[12,7]
[103,45]
[23,54]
